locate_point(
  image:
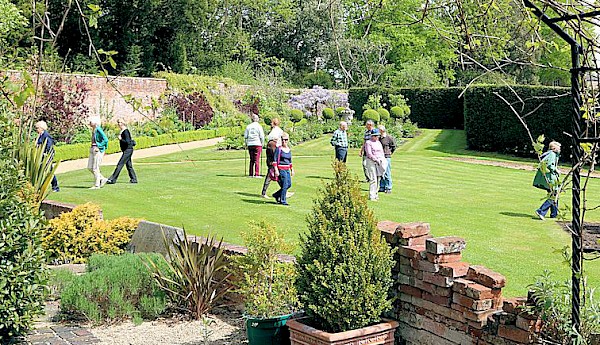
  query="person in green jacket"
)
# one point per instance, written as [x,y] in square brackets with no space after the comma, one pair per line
[99,146]
[548,179]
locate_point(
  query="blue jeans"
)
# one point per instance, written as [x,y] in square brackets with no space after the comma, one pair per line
[549,204]
[285,182]
[386,179]
[341,153]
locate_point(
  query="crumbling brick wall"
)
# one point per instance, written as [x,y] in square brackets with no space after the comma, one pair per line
[442,300]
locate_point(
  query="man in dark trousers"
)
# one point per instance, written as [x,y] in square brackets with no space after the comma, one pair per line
[127,144]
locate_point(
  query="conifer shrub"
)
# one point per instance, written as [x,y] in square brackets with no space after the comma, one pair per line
[344,269]
[328,113]
[371,114]
[22,272]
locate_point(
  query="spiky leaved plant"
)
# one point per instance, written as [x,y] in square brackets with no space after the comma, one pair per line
[344,270]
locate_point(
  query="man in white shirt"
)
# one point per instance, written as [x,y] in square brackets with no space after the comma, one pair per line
[254,137]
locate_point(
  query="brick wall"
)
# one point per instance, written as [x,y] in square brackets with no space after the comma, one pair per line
[444,300]
[104,98]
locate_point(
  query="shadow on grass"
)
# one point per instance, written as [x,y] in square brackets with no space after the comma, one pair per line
[519,215]
[255,195]
[230,175]
[76,187]
[262,201]
[319,177]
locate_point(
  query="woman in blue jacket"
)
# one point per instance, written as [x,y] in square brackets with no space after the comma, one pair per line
[44,137]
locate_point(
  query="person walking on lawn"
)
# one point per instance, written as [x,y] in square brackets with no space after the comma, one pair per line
[340,142]
[276,132]
[389,146]
[547,178]
[44,138]
[254,137]
[284,170]
[99,146]
[270,175]
[127,143]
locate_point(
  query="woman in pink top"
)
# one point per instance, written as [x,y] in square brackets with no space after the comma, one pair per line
[376,163]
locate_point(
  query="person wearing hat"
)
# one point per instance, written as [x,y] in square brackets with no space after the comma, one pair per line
[376,164]
[369,125]
[547,178]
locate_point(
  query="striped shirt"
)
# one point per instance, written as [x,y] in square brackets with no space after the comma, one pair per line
[340,138]
[283,160]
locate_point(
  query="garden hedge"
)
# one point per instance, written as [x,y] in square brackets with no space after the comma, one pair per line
[491,125]
[82,150]
[430,107]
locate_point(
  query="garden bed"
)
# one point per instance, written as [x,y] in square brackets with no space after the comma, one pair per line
[591,236]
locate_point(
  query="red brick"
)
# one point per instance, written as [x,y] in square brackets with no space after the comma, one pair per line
[443,258]
[460,285]
[479,316]
[410,290]
[440,300]
[415,241]
[473,304]
[439,309]
[514,305]
[407,270]
[411,252]
[437,279]
[412,230]
[476,330]
[478,291]
[388,229]
[424,265]
[454,269]
[514,334]
[529,325]
[486,277]
[445,245]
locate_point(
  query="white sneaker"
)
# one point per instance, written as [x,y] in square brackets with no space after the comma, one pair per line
[103,182]
[539,215]
[266,197]
[94,187]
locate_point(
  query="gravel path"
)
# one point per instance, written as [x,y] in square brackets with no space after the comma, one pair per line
[113,159]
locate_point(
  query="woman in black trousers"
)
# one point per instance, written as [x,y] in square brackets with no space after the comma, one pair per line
[127,144]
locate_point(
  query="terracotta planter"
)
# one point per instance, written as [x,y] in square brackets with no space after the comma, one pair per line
[379,334]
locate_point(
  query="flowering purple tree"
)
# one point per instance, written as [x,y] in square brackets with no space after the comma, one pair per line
[312,101]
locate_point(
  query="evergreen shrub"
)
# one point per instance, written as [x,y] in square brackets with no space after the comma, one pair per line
[371,114]
[296,115]
[384,114]
[328,113]
[22,272]
[114,288]
[344,268]
[74,236]
[491,125]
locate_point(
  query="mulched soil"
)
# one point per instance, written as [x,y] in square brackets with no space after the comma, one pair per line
[591,236]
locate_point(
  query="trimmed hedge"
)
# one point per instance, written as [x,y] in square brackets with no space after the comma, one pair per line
[491,125]
[430,107]
[82,150]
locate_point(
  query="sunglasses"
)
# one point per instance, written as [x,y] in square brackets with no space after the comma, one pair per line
[285,139]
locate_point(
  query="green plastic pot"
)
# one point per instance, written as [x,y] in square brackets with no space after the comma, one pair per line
[272,331]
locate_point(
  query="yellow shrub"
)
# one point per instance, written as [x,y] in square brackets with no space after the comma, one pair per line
[75,235]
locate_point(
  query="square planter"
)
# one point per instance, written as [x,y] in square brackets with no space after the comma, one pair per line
[379,334]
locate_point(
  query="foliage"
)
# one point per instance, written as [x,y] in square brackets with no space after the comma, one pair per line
[76,235]
[370,114]
[267,284]
[384,114]
[115,287]
[339,111]
[296,115]
[195,278]
[193,108]
[38,169]
[320,78]
[400,108]
[12,27]
[344,269]
[430,107]
[420,73]
[22,272]
[373,102]
[553,303]
[328,113]
[485,110]
[62,107]
[75,151]
[312,101]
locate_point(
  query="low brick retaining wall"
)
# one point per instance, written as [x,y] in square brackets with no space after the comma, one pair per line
[442,300]
[53,209]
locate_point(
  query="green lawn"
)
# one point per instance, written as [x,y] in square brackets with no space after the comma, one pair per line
[205,191]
